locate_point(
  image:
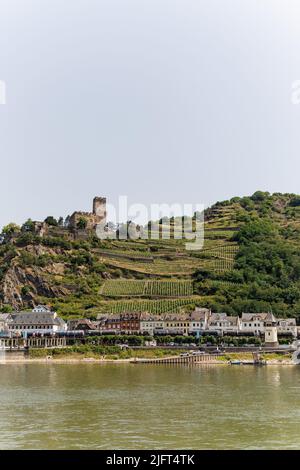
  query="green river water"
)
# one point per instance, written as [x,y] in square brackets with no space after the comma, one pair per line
[126,406]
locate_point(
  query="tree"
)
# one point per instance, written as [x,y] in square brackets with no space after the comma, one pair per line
[82,223]
[259,196]
[6,309]
[60,222]
[247,203]
[51,221]
[295,202]
[25,290]
[11,228]
[28,226]
[258,230]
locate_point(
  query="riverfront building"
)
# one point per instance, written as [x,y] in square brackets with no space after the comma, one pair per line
[221,323]
[198,322]
[152,324]
[254,323]
[201,321]
[35,322]
[41,323]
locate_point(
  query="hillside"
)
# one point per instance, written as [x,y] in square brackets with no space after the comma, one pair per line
[250,262]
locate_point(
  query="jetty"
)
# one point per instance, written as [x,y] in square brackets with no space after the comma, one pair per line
[183,359]
[191,359]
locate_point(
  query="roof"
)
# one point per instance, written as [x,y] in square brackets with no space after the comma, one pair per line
[5,316]
[151,317]
[101,317]
[255,316]
[88,323]
[78,322]
[289,321]
[113,317]
[30,318]
[130,316]
[233,319]
[199,314]
[202,309]
[270,317]
[59,322]
[176,317]
[218,317]
[222,317]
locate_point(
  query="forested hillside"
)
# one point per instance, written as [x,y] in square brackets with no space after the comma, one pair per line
[250,262]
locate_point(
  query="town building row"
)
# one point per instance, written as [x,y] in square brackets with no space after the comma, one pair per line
[200,321]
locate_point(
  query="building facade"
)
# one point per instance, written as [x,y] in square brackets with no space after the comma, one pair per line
[199,319]
[130,322]
[151,324]
[221,324]
[253,323]
[287,326]
[23,323]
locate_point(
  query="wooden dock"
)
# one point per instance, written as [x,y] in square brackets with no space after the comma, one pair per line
[188,360]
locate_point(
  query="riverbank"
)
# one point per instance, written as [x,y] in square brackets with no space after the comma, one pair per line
[71,356]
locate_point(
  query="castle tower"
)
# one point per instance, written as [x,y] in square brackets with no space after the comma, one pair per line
[271,338]
[99,208]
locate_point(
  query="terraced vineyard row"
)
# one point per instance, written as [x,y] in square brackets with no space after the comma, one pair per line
[223,251]
[224,257]
[169,288]
[151,306]
[222,265]
[132,254]
[116,287]
[127,287]
[160,267]
[220,283]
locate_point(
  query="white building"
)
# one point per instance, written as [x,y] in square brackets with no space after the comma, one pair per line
[287,326]
[38,323]
[199,319]
[41,309]
[222,323]
[151,324]
[176,324]
[254,323]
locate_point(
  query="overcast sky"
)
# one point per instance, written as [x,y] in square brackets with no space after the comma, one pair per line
[161,100]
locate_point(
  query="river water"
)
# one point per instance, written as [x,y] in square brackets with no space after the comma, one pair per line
[127,406]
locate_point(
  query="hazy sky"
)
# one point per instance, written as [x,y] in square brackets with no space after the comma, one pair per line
[161,100]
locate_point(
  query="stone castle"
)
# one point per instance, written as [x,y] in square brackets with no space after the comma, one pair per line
[74,229]
[91,218]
